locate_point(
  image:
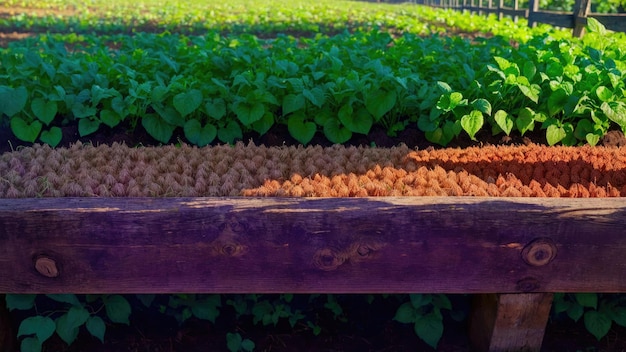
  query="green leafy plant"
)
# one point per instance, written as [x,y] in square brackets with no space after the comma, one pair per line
[235,343]
[424,311]
[598,311]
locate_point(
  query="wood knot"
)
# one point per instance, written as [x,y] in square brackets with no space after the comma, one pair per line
[528,284]
[327,259]
[46,266]
[232,249]
[539,252]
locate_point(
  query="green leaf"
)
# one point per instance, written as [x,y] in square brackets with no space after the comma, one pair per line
[531,92]
[420,300]
[198,135]
[87,126]
[557,101]
[592,138]
[358,122]
[406,313]
[575,312]
[597,323]
[482,105]
[442,301]
[555,134]
[12,100]
[525,120]
[24,131]
[429,328]
[81,111]
[66,330]
[216,108]
[529,70]
[292,102]
[604,93]
[315,96]
[44,111]
[20,301]
[207,308]
[301,130]
[594,26]
[619,316]
[42,327]
[158,128]
[96,327]
[77,316]
[379,102]
[65,298]
[336,133]
[110,118]
[118,309]
[230,133]
[233,342]
[264,124]
[472,123]
[146,299]
[615,111]
[504,121]
[169,114]
[247,345]
[30,344]
[187,102]
[249,113]
[589,300]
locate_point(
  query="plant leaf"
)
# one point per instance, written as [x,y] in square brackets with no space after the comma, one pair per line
[158,128]
[96,327]
[380,102]
[66,331]
[597,323]
[249,113]
[335,132]
[44,111]
[230,133]
[187,102]
[292,102]
[87,126]
[589,300]
[300,130]
[429,328]
[555,134]
[42,327]
[65,298]
[198,135]
[504,121]
[118,309]
[20,302]
[30,344]
[12,100]
[406,313]
[24,131]
[472,123]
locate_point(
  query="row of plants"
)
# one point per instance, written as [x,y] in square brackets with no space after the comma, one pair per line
[243,16]
[76,314]
[218,87]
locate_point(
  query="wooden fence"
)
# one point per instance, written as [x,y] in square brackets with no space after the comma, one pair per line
[511,253]
[576,19]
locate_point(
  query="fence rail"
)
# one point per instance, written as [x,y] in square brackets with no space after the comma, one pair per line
[575,20]
[523,248]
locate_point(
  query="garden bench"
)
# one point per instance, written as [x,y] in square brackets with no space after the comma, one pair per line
[510,253]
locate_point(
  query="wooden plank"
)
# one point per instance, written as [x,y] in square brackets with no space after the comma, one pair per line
[581,10]
[330,245]
[557,19]
[614,22]
[509,322]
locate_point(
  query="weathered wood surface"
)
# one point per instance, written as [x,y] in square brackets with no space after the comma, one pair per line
[330,245]
[509,322]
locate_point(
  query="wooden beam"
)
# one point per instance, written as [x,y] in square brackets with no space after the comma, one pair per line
[581,11]
[509,322]
[328,245]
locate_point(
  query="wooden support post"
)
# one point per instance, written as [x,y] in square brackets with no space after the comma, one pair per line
[581,10]
[500,6]
[7,335]
[509,322]
[515,7]
[533,6]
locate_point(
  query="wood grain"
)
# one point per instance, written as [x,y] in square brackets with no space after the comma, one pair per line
[329,245]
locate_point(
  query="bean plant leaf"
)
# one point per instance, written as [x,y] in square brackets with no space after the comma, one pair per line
[30,344]
[504,121]
[525,120]
[604,93]
[187,102]
[216,108]
[472,123]
[198,135]
[19,301]
[96,327]
[619,316]
[358,122]
[44,111]
[594,26]
[555,134]
[52,137]
[12,100]
[65,298]
[87,126]
[158,128]
[230,133]
[207,308]
[336,133]
[589,300]
[301,130]
[380,102]
[110,118]
[42,327]
[66,329]
[118,309]
[482,105]
[315,96]
[249,113]
[597,323]
[615,111]
[25,131]
[429,328]
[557,101]
[292,102]
[406,313]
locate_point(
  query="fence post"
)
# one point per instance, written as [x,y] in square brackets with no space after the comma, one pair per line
[581,10]
[500,5]
[516,7]
[533,6]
